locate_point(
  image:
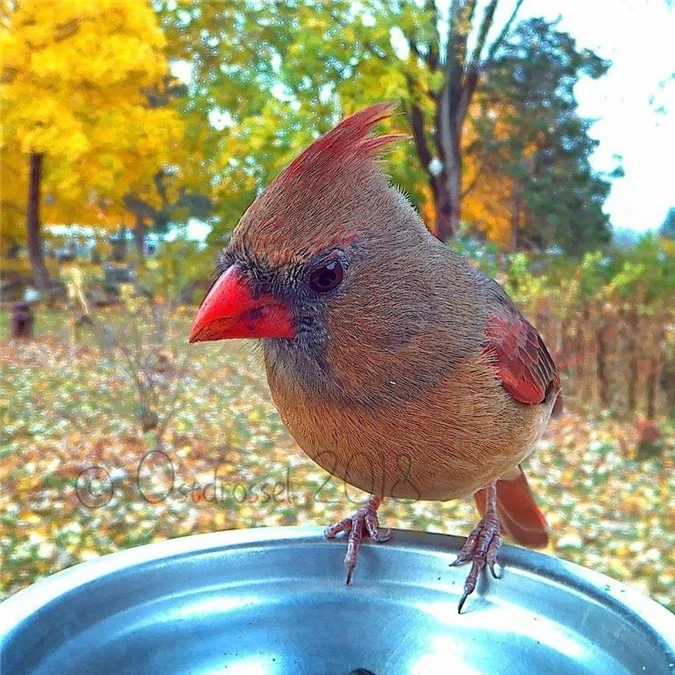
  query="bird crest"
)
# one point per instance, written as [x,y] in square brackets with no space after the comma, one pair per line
[351,140]
[290,217]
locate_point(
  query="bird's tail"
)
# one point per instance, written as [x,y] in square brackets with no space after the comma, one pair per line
[519,515]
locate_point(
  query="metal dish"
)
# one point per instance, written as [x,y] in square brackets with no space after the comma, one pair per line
[271,601]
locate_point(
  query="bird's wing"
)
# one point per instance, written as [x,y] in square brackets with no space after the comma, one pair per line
[524,365]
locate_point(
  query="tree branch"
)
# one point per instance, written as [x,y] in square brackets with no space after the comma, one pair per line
[433,58]
[417,126]
[158,180]
[505,31]
[486,24]
[373,49]
[466,21]
[136,205]
[453,58]
[471,79]
[415,115]
[415,50]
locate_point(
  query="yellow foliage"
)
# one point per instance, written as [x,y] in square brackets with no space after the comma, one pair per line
[488,206]
[73,81]
[490,201]
[428,209]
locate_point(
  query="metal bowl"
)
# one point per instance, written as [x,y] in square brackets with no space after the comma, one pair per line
[263,601]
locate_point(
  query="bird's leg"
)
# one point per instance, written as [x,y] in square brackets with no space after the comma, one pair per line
[482,545]
[363,522]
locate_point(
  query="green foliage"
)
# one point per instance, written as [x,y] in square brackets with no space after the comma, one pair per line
[643,276]
[487,257]
[178,273]
[269,77]
[647,272]
[608,318]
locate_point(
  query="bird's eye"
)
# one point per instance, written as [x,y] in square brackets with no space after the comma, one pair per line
[327,277]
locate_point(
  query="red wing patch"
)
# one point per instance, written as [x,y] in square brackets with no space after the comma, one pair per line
[525,367]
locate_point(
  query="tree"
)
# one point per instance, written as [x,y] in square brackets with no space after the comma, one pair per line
[667,229]
[529,177]
[180,190]
[268,77]
[75,84]
[13,190]
[448,78]
[276,74]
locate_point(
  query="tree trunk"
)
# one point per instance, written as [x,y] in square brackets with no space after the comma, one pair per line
[34,239]
[515,220]
[448,205]
[119,245]
[652,390]
[601,363]
[449,182]
[667,384]
[139,236]
[465,60]
[633,358]
[655,372]
[585,325]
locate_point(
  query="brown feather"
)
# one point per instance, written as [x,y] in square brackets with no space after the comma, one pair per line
[418,385]
[350,141]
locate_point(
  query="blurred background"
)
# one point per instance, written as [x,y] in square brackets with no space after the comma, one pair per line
[135,134]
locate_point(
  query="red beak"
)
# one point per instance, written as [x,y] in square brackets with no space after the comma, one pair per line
[229,310]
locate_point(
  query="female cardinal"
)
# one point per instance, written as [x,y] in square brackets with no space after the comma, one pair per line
[395,364]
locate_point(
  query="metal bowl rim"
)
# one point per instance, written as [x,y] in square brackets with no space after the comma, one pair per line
[19,607]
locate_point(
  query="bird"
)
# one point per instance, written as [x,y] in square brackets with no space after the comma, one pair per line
[394,363]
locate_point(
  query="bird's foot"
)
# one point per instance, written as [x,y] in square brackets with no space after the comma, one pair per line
[363,522]
[481,547]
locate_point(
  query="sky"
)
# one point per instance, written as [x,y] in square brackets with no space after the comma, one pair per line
[636,117]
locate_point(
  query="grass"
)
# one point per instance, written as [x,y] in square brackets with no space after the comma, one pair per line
[79,478]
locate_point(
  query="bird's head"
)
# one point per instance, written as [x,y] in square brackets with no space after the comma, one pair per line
[314,268]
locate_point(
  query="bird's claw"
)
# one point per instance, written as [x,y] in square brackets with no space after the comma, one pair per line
[481,549]
[364,521]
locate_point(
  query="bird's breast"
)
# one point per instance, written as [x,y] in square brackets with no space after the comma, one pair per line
[441,443]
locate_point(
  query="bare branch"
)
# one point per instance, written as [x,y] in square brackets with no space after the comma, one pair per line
[415,50]
[466,23]
[433,58]
[461,18]
[158,180]
[373,49]
[505,31]
[471,78]
[486,24]
[470,11]
[417,125]
[430,58]
[453,59]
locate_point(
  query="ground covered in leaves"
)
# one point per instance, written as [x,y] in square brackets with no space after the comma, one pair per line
[79,477]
